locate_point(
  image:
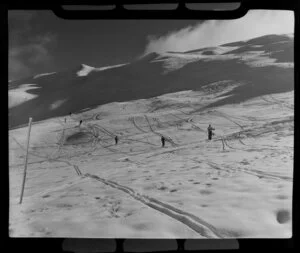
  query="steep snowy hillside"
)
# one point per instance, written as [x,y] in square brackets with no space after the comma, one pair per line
[80,183]
[263,64]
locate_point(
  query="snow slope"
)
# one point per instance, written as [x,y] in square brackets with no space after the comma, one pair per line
[43,74]
[20,95]
[80,184]
[192,188]
[86,70]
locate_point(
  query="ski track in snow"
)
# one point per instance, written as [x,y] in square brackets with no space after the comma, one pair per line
[132,119]
[203,228]
[159,134]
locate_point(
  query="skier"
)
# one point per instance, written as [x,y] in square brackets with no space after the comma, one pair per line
[116,139]
[80,122]
[163,141]
[210,131]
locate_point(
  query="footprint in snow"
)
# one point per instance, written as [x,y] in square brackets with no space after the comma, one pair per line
[283,216]
[245,162]
[206,192]
[162,188]
[280,196]
[63,205]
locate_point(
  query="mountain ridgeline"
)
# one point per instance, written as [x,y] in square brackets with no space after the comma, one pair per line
[152,76]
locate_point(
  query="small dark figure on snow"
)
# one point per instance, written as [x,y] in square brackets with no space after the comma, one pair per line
[80,122]
[210,131]
[163,140]
[116,140]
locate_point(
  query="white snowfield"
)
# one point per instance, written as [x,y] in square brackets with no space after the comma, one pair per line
[20,95]
[44,74]
[88,69]
[85,70]
[175,60]
[290,35]
[57,104]
[80,184]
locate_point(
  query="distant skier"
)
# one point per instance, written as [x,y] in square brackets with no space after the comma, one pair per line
[210,131]
[116,140]
[163,140]
[80,122]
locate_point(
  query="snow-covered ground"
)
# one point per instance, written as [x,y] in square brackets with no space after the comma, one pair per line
[176,60]
[19,96]
[237,185]
[43,74]
[86,70]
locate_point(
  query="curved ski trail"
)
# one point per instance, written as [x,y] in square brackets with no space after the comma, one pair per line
[195,223]
[159,134]
[136,126]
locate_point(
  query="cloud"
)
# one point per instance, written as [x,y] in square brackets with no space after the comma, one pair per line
[215,32]
[21,15]
[25,59]
[19,25]
[17,69]
[28,50]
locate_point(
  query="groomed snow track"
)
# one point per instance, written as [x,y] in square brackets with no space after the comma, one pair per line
[195,223]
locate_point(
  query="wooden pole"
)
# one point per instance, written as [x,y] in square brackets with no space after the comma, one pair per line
[223,143]
[26,159]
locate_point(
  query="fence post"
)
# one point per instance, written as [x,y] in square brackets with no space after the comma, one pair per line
[223,143]
[26,159]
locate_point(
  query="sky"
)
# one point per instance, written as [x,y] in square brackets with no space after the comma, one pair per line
[40,42]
